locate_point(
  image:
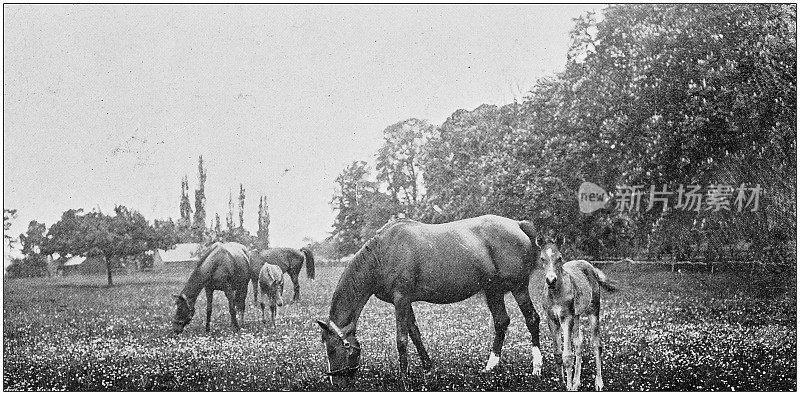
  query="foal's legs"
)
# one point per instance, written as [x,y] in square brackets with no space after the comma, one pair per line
[263,308]
[523,299]
[594,328]
[416,337]
[577,338]
[555,333]
[497,306]
[209,303]
[568,356]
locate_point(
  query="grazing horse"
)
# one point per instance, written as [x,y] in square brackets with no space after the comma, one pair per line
[290,261]
[409,261]
[224,267]
[270,282]
[572,290]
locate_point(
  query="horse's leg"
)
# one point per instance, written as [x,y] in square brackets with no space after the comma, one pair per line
[568,357]
[555,332]
[401,309]
[577,338]
[523,299]
[231,295]
[273,309]
[494,299]
[209,304]
[295,276]
[594,327]
[255,292]
[241,301]
[416,337]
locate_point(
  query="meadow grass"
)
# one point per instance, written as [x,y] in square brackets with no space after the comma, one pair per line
[663,331]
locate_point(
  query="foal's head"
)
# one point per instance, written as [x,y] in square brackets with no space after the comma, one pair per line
[551,260]
[183,313]
[344,351]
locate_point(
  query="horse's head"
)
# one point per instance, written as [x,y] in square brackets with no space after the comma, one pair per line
[274,293]
[344,351]
[551,260]
[183,313]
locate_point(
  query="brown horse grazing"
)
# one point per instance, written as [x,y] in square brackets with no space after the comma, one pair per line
[270,282]
[290,261]
[572,290]
[224,267]
[409,261]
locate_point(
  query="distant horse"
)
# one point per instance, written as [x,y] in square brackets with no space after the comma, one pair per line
[290,261]
[409,261]
[572,290]
[270,283]
[224,267]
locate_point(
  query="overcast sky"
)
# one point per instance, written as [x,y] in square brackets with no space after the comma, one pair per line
[113,104]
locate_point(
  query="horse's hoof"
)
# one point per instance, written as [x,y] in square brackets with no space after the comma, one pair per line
[598,384]
[537,361]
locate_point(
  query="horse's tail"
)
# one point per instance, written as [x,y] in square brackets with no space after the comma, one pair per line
[310,270]
[529,229]
[605,282]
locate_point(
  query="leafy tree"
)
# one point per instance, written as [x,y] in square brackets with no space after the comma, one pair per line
[241,206]
[229,217]
[199,223]
[669,94]
[217,226]
[263,223]
[125,234]
[8,215]
[399,164]
[186,206]
[351,201]
[458,160]
[34,263]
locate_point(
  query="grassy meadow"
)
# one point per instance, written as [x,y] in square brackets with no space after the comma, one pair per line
[663,331]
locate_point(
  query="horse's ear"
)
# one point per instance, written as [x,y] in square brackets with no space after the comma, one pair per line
[324,326]
[536,240]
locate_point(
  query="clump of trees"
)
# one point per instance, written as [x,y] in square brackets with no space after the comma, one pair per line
[651,94]
[125,236]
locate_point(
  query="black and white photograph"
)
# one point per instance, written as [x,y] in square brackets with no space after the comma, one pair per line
[400,197]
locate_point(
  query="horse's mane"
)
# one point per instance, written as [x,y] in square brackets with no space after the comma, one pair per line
[394,221]
[206,253]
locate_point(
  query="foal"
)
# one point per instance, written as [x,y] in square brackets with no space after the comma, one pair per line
[572,290]
[270,282]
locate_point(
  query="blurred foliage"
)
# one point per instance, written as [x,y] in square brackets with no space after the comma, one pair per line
[651,94]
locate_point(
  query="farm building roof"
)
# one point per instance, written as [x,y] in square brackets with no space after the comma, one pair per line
[180,253]
[75,260]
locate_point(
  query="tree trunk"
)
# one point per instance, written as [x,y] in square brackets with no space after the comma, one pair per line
[108,270]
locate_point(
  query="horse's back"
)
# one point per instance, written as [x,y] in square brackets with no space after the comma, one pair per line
[445,263]
[585,284]
[226,263]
